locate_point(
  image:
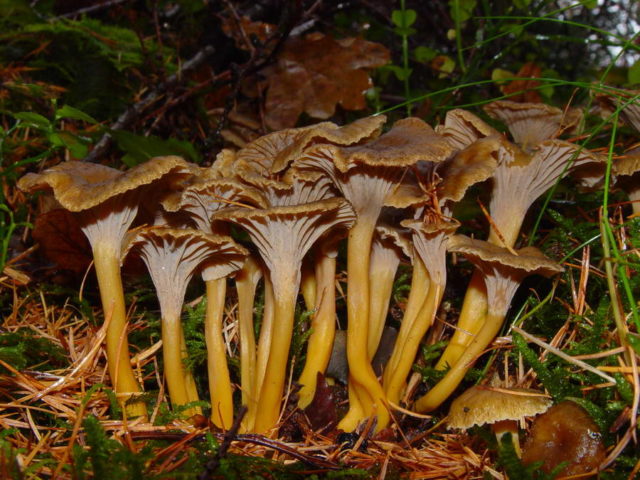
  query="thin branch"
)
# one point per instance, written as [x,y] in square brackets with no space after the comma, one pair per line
[137,108]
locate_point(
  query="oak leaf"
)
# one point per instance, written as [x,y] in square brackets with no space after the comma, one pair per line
[315,73]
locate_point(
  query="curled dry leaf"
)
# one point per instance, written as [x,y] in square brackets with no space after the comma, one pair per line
[62,241]
[315,73]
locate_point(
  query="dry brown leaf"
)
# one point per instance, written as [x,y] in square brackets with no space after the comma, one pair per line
[243,30]
[525,87]
[62,241]
[315,73]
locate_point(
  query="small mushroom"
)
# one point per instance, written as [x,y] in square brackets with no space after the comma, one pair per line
[172,257]
[565,434]
[532,123]
[105,202]
[430,241]
[518,181]
[503,272]
[502,408]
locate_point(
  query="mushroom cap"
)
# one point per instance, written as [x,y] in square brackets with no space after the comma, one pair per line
[630,113]
[80,186]
[527,259]
[462,128]
[409,141]
[532,123]
[476,163]
[397,237]
[274,152]
[627,164]
[482,405]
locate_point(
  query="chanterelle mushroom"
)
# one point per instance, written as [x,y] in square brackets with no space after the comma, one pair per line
[502,408]
[518,181]
[172,256]
[503,272]
[532,123]
[105,202]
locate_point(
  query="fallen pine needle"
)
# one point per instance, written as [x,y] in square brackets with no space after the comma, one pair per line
[564,356]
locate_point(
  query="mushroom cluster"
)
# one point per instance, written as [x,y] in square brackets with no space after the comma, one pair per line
[298,194]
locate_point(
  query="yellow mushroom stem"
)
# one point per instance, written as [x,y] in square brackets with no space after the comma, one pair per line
[189,380]
[246,282]
[380,290]
[406,352]
[173,352]
[323,329]
[285,291]
[308,284]
[360,369]
[220,388]
[266,334]
[474,306]
[417,294]
[474,309]
[501,428]
[107,265]
[445,387]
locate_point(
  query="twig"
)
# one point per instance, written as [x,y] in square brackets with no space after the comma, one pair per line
[134,111]
[563,355]
[229,436]
[91,9]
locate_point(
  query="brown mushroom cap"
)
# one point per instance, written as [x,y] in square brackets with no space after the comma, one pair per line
[271,154]
[503,270]
[533,123]
[527,259]
[630,111]
[482,405]
[475,163]
[80,186]
[461,128]
[204,197]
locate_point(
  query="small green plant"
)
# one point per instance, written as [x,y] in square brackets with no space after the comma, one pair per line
[106,458]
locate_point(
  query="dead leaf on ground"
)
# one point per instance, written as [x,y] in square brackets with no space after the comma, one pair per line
[315,73]
[526,87]
[62,241]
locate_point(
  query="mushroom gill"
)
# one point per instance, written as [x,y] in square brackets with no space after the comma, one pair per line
[532,123]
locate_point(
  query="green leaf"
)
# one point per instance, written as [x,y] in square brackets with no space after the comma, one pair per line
[139,149]
[68,111]
[462,10]
[633,74]
[424,54]
[403,18]
[522,4]
[77,146]
[400,72]
[34,120]
[589,3]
